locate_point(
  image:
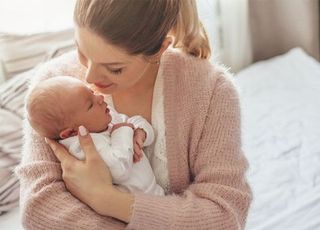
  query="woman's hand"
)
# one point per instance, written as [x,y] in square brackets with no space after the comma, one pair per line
[90,180]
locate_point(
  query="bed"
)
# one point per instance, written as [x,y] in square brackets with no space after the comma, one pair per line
[281,138]
[280,99]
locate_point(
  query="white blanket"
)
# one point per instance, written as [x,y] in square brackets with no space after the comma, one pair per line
[281,138]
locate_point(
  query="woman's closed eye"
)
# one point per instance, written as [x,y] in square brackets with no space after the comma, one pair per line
[115,71]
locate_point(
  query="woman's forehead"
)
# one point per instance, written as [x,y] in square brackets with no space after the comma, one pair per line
[95,48]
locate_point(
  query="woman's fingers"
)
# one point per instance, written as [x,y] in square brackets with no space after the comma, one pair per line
[59,151]
[87,144]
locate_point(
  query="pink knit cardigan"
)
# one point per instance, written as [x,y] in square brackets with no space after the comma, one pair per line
[205,162]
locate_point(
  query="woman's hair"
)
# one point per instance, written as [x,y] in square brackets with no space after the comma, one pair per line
[140,26]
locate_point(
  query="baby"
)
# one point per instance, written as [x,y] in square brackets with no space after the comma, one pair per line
[56,107]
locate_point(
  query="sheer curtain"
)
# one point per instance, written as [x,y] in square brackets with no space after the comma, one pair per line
[228,28]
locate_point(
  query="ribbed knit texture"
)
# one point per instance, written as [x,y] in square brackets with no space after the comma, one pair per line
[206,166]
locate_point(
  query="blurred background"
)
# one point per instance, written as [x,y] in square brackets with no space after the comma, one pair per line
[271,46]
[240,31]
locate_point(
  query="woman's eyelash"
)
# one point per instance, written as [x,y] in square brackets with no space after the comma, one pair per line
[116,71]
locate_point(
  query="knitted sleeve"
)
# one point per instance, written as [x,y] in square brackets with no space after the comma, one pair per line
[219,196]
[45,202]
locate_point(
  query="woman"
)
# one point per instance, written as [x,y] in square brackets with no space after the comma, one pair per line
[124,47]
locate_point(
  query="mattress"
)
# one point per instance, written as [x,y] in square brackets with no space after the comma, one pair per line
[280,101]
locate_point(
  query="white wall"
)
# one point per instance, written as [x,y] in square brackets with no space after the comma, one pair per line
[35,16]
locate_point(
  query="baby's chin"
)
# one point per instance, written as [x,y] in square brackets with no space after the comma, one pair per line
[102,129]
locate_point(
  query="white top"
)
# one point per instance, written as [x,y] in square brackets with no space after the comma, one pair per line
[156,152]
[116,149]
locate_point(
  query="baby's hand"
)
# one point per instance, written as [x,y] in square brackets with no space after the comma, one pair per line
[138,139]
[118,125]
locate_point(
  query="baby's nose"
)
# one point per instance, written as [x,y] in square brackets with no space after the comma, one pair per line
[100,99]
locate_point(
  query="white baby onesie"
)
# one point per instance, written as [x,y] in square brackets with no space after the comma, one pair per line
[117,151]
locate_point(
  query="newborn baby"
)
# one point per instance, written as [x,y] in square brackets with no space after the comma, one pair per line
[56,107]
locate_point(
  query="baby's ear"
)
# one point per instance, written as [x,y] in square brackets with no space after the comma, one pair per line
[68,132]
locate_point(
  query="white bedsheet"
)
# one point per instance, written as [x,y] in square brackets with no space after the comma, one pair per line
[11,220]
[281,138]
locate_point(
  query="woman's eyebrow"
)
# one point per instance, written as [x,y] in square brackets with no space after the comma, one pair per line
[113,64]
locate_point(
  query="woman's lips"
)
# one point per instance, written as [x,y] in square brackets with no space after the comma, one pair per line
[101,86]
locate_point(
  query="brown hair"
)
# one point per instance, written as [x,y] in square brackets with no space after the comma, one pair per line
[140,26]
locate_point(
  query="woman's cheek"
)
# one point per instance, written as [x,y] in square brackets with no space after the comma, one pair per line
[83,62]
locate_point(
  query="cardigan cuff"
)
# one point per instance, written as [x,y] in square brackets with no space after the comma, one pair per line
[152,212]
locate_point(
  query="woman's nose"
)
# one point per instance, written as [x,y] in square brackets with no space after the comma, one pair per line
[92,73]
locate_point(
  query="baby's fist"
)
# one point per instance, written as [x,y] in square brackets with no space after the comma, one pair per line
[139,138]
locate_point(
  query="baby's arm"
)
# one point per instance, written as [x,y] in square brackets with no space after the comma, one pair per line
[119,157]
[143,131]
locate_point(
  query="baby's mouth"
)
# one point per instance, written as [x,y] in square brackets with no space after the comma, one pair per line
[107,110]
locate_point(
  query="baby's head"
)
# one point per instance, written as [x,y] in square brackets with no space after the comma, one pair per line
[57,106]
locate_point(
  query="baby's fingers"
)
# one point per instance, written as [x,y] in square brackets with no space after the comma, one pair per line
[137,152]
[135,158]
[140,142]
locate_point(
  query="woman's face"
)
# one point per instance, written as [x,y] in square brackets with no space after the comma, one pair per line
[109,68]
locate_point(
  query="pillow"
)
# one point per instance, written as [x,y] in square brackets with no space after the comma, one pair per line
[12,95]
[18,54]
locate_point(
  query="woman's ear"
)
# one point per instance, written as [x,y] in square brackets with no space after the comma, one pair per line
[68,132]
[155,59]
[165,44]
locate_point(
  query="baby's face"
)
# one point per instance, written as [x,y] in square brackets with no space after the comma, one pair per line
[87,108]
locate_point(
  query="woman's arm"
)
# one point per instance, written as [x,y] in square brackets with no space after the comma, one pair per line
[219,196]
[45,202]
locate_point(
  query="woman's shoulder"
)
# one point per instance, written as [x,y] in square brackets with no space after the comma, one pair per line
[179,59]
[66,64]
[192,72]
